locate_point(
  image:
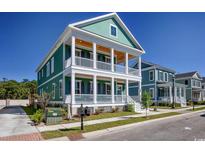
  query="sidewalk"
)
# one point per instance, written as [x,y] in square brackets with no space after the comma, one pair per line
[92,122]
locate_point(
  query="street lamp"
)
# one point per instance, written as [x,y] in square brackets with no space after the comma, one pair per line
[173,92]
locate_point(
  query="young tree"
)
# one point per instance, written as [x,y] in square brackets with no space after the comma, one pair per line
[146,100]
[44,100]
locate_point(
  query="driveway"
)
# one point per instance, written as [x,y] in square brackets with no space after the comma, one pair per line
[14,121]
[183,128]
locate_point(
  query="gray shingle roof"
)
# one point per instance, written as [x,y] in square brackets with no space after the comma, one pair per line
[187,74]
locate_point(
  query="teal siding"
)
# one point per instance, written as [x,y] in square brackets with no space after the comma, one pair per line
[47,87]
[145,77]
[67,52]
[67,85]
[102,28]
[58,65]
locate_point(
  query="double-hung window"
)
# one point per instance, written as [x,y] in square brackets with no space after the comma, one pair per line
[91,87]
[60,88]
[151,75]
[78,86]
[53,90]
[52,65]
[113,30]
[107,88]
[47,69]
[166,76]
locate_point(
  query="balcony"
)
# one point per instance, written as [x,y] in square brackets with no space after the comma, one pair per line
[100,65]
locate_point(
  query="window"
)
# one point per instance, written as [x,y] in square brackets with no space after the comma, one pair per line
[52,65]
[113,30]
[47,69]
[91,87]
[78,52]
[186,82]
[78,86]
[42,73]
[182,92]
[166,76]
[151,91]
[107,89]
[39,75]
[107,59]
[151,75]
[60,89]
[161,76]
[53,90]
[119,89]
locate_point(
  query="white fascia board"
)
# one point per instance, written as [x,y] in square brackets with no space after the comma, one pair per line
[148,68]
[79,33]
[57,44]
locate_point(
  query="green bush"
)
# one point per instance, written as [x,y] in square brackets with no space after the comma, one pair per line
[38,116]
[130,108]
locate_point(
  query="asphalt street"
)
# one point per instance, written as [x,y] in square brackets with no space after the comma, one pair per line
[182,128]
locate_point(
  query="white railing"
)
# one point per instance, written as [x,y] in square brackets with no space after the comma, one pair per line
[104,99]
[120,99]
[84,61]
[165,99]
[119,68]
[103,65]
[67,63]
[133,71]
[83,98]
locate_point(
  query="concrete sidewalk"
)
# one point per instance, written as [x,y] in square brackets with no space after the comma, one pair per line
[92,122]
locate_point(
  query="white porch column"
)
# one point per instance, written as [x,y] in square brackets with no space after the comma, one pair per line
[140,91]
[126,63]
[113,89]
[94,89]
[175,94]
[170,93]
[94,55]
[112,59]
[180,92]
[139,65]
[127,89]
[73,87]
[73,50]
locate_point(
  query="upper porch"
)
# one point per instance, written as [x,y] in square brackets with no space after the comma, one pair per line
[85,54]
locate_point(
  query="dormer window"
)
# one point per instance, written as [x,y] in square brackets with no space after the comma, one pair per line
[113,30]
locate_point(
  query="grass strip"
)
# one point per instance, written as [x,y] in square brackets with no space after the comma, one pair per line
[196,109]
[95,127]
[29,110]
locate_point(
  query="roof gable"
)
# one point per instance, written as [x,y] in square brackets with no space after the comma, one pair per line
[194,74]
[101,26]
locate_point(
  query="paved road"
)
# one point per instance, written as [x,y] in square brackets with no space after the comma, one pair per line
[14,121]
[186,127]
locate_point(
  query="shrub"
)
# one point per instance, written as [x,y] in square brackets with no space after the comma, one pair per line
[116,109]
[98,111]
[130,108]
[38,116]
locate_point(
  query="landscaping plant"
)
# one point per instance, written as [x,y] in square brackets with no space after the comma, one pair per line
[38,116]
[146,100]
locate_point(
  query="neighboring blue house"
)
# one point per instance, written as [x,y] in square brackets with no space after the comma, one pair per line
[158,81]
[193,81]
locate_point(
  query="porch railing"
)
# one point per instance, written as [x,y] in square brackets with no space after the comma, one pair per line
[104,99]
[83,61]
[133,71]
[84,98]
[119,68]
[103,65]
[120,99]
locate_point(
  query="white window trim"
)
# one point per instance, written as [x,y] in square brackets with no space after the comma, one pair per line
[111,25]
[91,87]
[78,50]
[150,75]
[61,90]
[48,69]
[52,65]
[160,72]
[151,89]
[106,88]
[166,79]
[79,85]
[119,85]
[53,90]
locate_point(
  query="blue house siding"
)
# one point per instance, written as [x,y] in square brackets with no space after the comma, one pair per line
[145,77]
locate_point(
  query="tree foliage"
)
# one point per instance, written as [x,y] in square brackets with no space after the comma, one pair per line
[11,89]
[146,100]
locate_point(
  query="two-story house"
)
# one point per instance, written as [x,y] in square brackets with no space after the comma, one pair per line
[160,82]
[193,82]
[89,65]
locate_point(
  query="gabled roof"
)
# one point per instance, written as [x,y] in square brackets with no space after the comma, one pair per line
[108,16]
[150,64]
[188,75]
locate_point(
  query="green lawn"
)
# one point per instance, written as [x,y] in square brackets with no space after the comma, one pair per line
[67,132]
[101,116]
[166,107]
[197,109]
[29,110]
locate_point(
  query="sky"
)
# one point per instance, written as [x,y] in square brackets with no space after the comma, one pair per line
[173,40]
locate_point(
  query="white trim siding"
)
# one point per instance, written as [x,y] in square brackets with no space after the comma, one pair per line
[152,71]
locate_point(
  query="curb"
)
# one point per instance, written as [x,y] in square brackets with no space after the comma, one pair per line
[124,127]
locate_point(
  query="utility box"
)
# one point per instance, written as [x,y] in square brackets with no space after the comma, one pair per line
[53,116]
